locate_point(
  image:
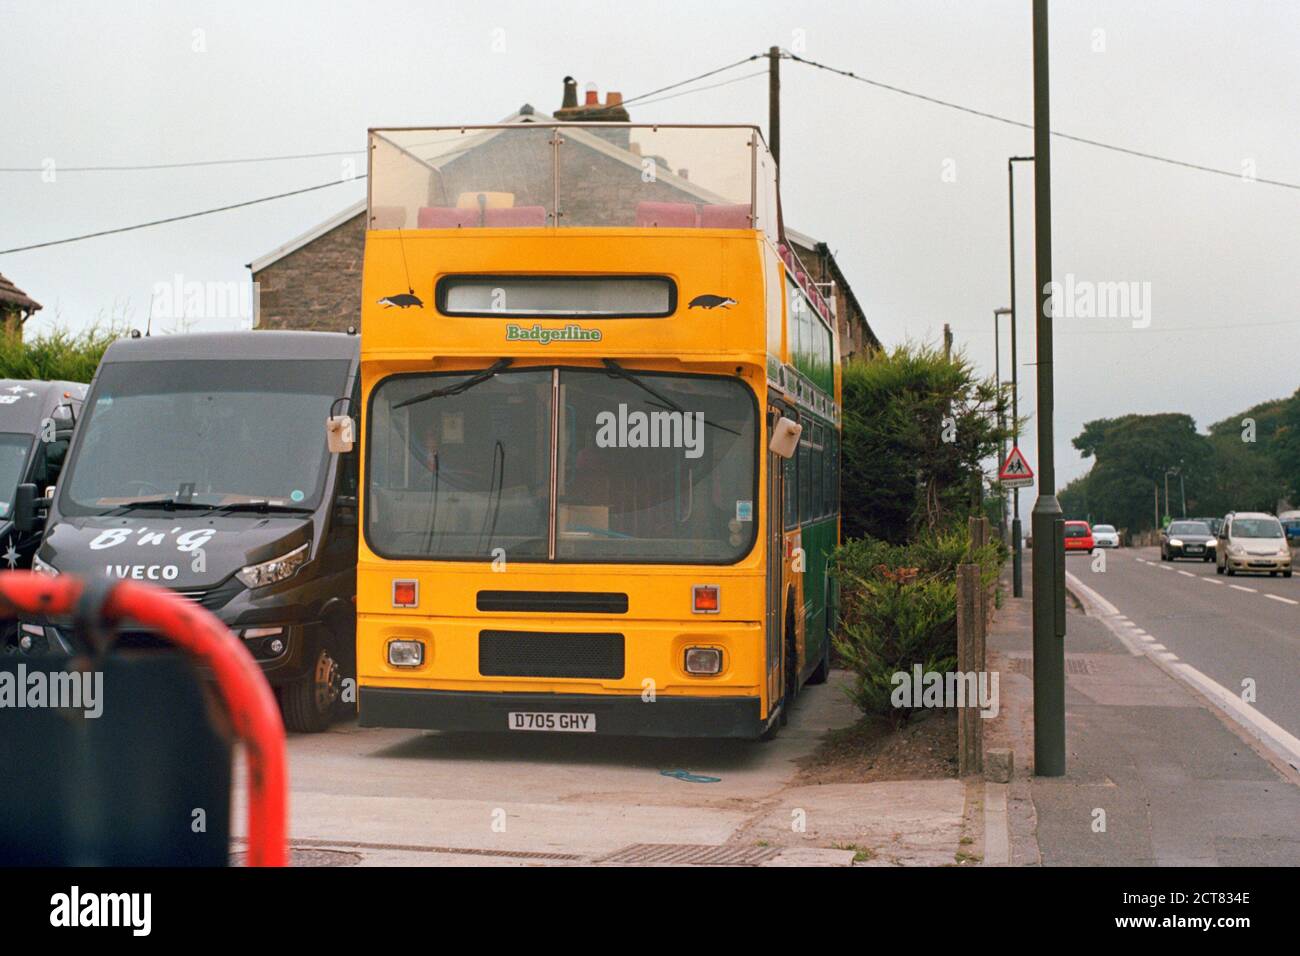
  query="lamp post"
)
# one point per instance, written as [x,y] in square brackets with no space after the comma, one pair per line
[1017,575]
[1049,531]
[997,376]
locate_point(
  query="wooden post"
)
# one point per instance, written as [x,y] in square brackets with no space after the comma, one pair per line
[970,660]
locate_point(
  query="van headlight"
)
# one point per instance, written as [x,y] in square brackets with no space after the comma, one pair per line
[40,567]
[275,570]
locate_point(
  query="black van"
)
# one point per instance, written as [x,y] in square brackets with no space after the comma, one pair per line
[36,421]
[200,463]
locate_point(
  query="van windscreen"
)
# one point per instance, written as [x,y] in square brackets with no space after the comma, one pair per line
[214,432]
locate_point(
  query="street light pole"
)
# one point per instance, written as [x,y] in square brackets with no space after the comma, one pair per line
[1002,442]
[1049,534]
[1017,574]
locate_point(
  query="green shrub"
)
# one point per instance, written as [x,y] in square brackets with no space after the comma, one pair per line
[56,355]
[899,609]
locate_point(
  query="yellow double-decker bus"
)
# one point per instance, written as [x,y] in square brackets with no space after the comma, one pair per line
[600,435]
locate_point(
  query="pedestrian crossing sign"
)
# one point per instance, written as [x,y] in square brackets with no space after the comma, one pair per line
[1015,471]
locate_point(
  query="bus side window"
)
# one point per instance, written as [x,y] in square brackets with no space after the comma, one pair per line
[818,472]
[833,472]
[805,477]
[791,493]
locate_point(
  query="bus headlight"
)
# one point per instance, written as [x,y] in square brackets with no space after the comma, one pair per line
[406,653]
[277,569]
[703,660]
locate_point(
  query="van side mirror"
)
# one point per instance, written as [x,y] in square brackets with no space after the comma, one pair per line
[340,433]
[785,437]
[27,509]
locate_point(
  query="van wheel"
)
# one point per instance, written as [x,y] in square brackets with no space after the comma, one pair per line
[308,704]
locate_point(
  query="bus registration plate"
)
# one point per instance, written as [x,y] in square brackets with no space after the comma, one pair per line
[541,720]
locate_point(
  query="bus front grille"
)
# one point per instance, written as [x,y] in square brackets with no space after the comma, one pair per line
[549,654]
[553,602]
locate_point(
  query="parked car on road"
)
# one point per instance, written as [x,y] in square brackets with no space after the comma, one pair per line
[1078,537]
[1252,541]
[1186,539]
[1105,536]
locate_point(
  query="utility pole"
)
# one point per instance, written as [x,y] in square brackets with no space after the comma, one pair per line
[1049,534]
[774,103]
[947,342]
[1017,569]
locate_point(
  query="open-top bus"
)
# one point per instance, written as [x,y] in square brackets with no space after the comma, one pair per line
[600,435]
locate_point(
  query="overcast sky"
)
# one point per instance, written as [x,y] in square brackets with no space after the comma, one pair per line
[911,196]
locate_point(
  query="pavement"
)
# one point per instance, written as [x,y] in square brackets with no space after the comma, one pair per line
[1166,766]
[412,798]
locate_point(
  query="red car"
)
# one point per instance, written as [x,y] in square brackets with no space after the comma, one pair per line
[1078,537]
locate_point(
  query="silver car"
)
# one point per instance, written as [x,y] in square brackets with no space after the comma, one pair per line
[1252,541]
[1105,536]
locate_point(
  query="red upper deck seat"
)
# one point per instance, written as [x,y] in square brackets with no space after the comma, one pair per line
[446,217]
[681,215]
[725,217]
[522,216]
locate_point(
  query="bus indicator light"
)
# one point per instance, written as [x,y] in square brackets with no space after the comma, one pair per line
[703,660]
[704,599]
[406,593]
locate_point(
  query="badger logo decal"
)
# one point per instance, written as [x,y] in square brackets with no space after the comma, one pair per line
[711,302]
[403,301]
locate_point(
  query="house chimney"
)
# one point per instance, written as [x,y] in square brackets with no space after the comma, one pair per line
[593,99]
[570,94]
[613,99]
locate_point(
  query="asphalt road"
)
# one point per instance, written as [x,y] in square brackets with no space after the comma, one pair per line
[1232,629]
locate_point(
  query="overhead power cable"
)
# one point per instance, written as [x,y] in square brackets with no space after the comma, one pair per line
[188,215]
[984,114]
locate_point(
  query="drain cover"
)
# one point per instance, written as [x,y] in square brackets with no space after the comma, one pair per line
[1073,665]
[678,854]
[299,856]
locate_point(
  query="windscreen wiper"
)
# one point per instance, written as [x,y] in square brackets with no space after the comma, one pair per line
[636,380]
[262,506]
[166,504]
[478,378]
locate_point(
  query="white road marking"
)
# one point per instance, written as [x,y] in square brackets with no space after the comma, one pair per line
[1157,647]
[1168,656]
[1187,574]
[1276,739]
[1276,597]
[1238,587]
[1211,581]
[1166,568]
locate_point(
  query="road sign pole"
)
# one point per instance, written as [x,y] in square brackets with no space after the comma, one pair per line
[1049,544]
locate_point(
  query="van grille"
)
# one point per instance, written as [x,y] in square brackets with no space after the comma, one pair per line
[538,654]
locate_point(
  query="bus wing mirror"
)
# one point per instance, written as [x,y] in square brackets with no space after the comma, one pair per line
[340,433]
[785,437]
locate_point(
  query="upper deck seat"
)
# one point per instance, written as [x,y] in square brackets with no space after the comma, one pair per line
[666,215]
[725,217]
[521,216]
[446,217]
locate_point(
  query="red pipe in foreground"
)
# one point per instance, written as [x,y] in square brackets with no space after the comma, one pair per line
[247,696]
